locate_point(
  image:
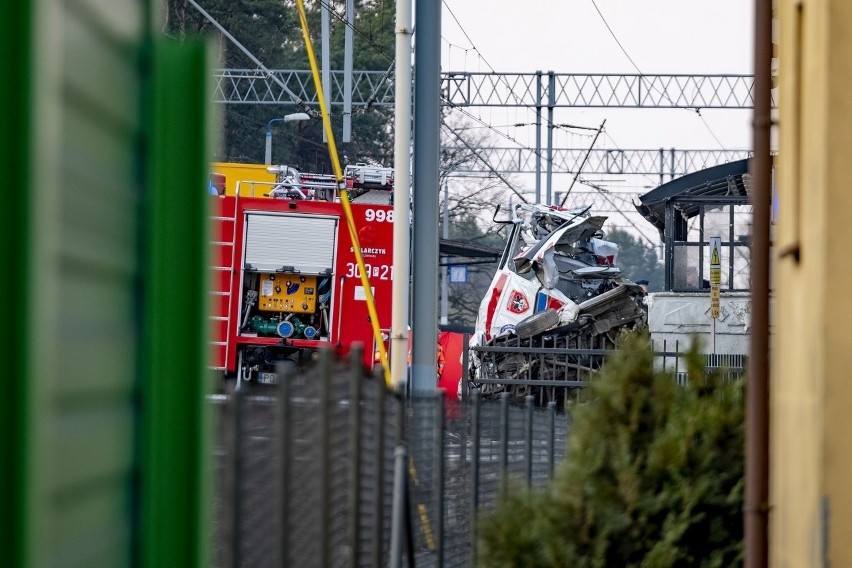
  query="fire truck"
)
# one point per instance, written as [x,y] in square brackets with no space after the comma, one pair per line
[285,278]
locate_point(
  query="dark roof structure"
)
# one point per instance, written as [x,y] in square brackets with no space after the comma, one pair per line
[723,180]
[448,247]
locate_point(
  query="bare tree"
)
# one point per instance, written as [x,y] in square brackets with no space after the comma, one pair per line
[471,203]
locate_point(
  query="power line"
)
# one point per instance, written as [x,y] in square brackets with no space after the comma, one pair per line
[473,46]
[710,130]
[627,55]
[535,110]
[530,107]
[295,98]
[342,18]
[612,33]
[583,163]
[511,90]
[484,161]
[606,195]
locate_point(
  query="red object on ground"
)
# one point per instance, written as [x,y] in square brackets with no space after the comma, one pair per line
[453,346]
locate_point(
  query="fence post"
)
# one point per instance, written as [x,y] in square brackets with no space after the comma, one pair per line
[226,487]
[474,470]
[401,412]
[325,369]
[379,478]
[465,389]
[439,477]
[529,437]
[355,455]
[677,357]
[399,483]
[504,440]
[284,374]
[236,528]
[551,442]
[569,422]
[465,392]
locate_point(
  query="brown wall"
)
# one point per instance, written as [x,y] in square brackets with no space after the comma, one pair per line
[811,382]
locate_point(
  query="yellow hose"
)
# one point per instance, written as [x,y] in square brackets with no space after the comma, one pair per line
[344,196]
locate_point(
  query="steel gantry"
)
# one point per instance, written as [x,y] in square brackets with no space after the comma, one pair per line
[533,90]
[539,92]
[668,162]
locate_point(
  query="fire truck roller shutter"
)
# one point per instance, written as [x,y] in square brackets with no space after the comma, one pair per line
[295,243]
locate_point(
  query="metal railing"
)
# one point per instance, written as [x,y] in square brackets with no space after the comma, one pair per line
[555,368]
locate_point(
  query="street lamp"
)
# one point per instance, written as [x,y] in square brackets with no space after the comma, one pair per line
[287,118]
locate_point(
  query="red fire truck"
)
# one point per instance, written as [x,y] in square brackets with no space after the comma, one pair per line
[285,280]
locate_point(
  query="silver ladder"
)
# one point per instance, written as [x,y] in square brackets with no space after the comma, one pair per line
[222,284]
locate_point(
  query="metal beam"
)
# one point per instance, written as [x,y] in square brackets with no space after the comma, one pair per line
[427,161]
[600,90]
[620,161]
[463,89]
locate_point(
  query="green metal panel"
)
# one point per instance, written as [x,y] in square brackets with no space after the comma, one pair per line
[174,500]
[15,44]
[88,291]
[82,373]
[74,152]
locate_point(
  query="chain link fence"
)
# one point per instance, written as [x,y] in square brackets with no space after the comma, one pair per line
[305,471]
[328,468]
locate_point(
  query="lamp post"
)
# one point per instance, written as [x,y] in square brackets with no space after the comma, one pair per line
[287,118]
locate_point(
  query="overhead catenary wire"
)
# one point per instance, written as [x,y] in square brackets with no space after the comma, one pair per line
[612,33]
[537,113]
[585,159]
[302,104]
[344,197]
[376,47]
[342,18]
[710,130]
[603,193]
[535,110]
[374,95]
[293,96]
[635,66]
[484,161]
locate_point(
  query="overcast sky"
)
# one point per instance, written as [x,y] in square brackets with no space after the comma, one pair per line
[569,36]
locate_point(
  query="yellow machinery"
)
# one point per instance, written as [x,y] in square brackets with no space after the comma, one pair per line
[287,292]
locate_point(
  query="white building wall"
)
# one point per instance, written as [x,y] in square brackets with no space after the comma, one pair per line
[675,319]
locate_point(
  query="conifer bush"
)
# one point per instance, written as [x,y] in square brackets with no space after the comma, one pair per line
[653,477]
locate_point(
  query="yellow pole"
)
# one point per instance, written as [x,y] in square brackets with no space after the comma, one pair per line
[344,195]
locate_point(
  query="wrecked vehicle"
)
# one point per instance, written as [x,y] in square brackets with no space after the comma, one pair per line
[556,299]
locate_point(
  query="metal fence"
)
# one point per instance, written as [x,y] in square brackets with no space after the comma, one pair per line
[670,355]
[329,469]
[555,368]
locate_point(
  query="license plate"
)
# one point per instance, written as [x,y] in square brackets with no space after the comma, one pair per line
[267,379]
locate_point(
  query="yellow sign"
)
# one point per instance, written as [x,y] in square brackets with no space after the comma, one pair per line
[715,275]
[715,252]
[715,282]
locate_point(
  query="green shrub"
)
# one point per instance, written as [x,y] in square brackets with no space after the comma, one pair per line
[653,478]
